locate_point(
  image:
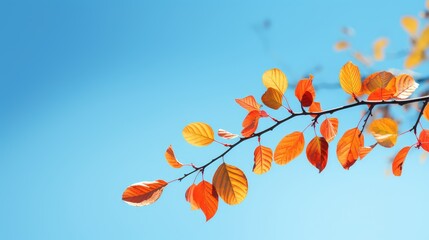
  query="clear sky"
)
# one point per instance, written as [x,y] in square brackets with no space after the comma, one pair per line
[93,92]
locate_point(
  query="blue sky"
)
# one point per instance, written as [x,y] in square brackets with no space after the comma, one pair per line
[93,92]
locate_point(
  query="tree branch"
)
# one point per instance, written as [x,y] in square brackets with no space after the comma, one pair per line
[371,105]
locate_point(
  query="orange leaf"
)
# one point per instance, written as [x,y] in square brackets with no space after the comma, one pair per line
[362,58]
[206,198]
[385,131]
[171,159]
[304,91]
[289,148]
[329,128]
[341,45]
[348,147]
[250,123]
[379,80]
[399,161]
[272,98]
[314,108]
[231,184]
[363,151]
[381,94]
[225,134]
[275,78]
[424,139]
[189,196]
[426,112]
[143,193]
[249,103]
[405,86]
[410,25]
[350,79]
[317,152]
[198,134]
[378,47]
[263,156]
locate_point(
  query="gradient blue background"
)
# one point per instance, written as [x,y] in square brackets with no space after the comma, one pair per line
[93,92]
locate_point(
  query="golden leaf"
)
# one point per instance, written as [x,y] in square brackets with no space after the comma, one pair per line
[276,79]
[289,148]
[198,134]
[272,98]
[385,131]
[350,79]
[230,183]
[263,157]
[410,25]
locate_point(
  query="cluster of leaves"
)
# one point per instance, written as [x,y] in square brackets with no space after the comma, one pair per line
[230,183]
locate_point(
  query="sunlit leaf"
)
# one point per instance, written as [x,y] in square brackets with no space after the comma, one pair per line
[423,41]
[275,78]
[363,151]
[424,139]
[341,45]
[348,147]
[426,112]
[272,98]
[314,108]
[171,159]
[399,161]
[304,91]
[225,134]
[379,80]
[317,152]
[143,193]
[410,25]
[405,86]
[350,78]
[378,47]
[189,196]
[385,131]
[206,198]
[329,128]
[231,184]
[198,134]
[263,157]
[250,123]
[415,57]
[289,148]
[249,103]
[381,94]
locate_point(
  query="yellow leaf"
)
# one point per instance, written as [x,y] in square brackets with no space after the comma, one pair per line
[272,98]
[171,158]
[350,79]
[378,47]
[405,86]
[348,147]
[230,183]
[410,24]
[289,148]
[385,131]
[415,57]
[423,41]
[143,193]
[276,79]
[263,156]
[341,45]
[198,134]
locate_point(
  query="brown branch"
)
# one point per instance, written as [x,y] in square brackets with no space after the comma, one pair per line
[371,105]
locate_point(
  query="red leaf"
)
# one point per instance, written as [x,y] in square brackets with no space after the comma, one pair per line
[304,91]
[250,123]
[317,152]
[424,139]
[143,193]
[189,196]
[399,160]
[206,198]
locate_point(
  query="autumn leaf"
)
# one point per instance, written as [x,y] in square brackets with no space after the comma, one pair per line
[426,112]
[329,128]
[206,198]
[414,58]
[423,41]
[231,184]
[424,139]
[263,157]
[348,147]
[341,45]
[379,80]
[272,98]
[305,92]
[143,193]
[381,94]
[317,152]
[198,134]
[249,103]
[405,86]
[385,131]
[314,108]
[225,134]
[250,123]
[399,161]
[275,78]
[171,158]
[362,58]
[189,196]
[378,48]
[289,148]
[350,79]
[410,25]
[363,151]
